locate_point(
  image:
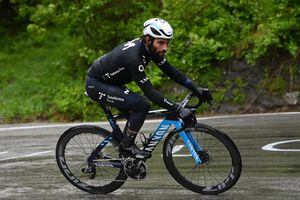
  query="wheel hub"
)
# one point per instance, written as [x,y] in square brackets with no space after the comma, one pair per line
[204,156]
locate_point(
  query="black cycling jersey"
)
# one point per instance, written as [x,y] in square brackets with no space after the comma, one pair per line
[127,62]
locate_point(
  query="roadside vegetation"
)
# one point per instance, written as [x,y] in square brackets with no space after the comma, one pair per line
[247,52]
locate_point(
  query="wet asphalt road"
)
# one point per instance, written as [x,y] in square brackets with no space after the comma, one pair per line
[28,168]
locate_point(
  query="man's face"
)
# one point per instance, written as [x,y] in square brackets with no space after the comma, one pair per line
[160,46]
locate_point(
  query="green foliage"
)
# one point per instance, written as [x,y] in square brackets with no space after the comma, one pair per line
[231,92]
[36,32]
[36,85]
[239,95]
[219,95]
[23,87]
[100,24]
[204,32]
[275,85]
[71,102]
[218,30]
[279,29]
[43,41]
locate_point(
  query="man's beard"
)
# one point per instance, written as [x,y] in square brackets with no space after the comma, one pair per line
[160,54]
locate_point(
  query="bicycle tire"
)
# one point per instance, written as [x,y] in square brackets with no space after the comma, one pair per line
[217,175]
[72,150]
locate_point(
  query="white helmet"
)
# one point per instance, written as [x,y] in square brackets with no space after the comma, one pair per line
[158,28]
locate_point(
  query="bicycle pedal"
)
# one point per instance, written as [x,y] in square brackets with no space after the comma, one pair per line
[86,170]
[89,170]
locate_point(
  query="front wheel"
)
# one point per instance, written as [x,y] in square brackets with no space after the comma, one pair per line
[72,152]
[221,161]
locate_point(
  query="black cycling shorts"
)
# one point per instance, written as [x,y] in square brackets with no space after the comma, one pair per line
[121,98]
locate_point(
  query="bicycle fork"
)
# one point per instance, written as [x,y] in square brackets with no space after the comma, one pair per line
[190,143]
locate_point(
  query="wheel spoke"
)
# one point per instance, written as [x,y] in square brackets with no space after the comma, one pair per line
[76,148]
[216,161]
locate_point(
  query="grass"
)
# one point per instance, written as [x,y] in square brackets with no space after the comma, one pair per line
[31,76]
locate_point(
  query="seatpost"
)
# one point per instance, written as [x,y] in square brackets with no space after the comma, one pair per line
[112,121]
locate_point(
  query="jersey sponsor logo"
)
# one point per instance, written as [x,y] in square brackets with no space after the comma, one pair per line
[144,80]
[144,60]
[101,95]
[141,68]
[114,98]
[109,75]
[162,62]
[110,98]
[126,91]
[129,44]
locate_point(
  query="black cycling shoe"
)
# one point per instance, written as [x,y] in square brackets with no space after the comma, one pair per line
[133,151]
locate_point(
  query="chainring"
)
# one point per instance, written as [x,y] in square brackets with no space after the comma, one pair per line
[135,169]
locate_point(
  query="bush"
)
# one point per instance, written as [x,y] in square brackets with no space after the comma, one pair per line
[209,36]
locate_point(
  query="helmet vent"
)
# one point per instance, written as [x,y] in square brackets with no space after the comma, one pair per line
[154,31]
[157,28]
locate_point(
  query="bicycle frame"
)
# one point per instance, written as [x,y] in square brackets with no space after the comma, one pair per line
[186,136]
[88,155]
[152,142]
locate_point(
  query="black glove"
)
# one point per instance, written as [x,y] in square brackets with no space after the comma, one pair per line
[186,115]
[204,95]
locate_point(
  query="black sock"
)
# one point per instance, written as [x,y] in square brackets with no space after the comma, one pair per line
[129,138]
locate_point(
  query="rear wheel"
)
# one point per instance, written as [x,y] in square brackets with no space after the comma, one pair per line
[221,162]
[72,152]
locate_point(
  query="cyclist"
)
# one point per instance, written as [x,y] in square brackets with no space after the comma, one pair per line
[127,62]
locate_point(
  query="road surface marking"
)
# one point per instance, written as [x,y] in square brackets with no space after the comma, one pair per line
[4,152]
[177,148]
[270,147]
[25,156]
[182,155]
[147,121]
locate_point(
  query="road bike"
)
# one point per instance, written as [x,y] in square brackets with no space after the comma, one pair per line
[201,158]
